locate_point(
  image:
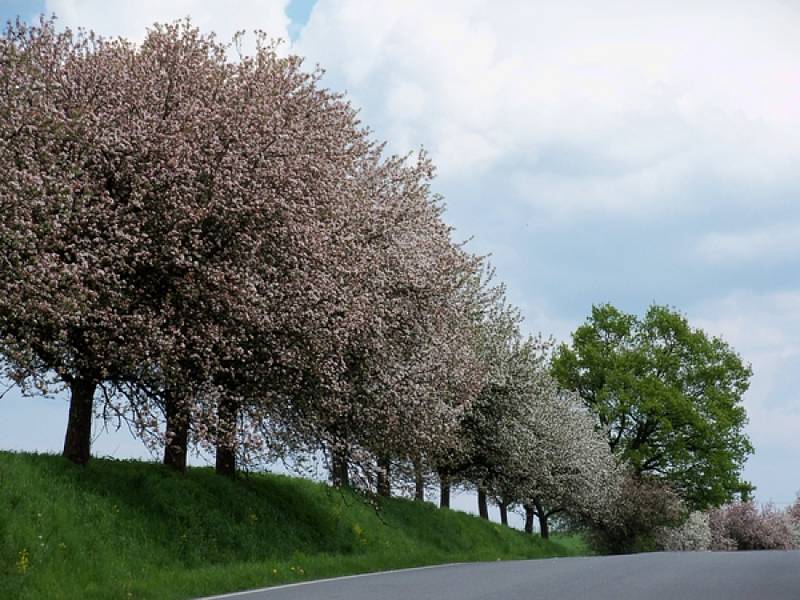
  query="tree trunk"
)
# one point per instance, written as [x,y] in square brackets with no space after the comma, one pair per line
[226,460]
[384,481]
[542,516]
[503,512]
[78,440]
[419,481]
[227,413]
[528,518]
[176,448]
[545,528]
[483,507]
[444,490]
[339,473]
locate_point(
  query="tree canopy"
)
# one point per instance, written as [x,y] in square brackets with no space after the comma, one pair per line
[668,396]
[221,242]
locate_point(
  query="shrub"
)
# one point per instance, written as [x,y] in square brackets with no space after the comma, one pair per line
[742,526]
[794,518]
[644,508]
[694,534]
[719,538]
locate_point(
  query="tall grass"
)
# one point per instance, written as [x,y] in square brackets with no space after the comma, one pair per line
[127,529]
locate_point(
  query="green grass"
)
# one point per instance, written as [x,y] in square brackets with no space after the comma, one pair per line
[127,529]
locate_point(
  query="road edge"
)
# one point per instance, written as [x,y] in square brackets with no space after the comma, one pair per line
[327,579]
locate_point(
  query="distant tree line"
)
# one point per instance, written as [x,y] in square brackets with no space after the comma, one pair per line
[217,253]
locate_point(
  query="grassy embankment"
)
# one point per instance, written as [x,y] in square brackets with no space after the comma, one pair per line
[125,529]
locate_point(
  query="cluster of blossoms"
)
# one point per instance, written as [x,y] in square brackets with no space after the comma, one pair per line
[737,526]
[743,526]
[219,244]
[691,536]
[216,252]
[523,442]
[794,516]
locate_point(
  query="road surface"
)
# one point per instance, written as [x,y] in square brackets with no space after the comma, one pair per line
[654,576]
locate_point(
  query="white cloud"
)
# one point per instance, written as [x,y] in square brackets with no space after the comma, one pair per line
[131,18]
[652,94]
[541,319]
[765,329]
[764,244]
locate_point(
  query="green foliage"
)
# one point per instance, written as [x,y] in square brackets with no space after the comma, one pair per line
[669,396]
[126,529]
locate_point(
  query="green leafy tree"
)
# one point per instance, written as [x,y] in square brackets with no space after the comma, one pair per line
[668,396]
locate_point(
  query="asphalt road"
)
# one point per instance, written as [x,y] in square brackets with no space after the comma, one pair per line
[655,576]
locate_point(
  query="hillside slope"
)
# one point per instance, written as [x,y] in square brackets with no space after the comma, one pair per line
[127,529]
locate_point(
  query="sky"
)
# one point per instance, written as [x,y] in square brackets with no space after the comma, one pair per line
[624,152]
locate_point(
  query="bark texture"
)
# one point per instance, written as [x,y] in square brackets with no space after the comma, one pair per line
[176,448]
[542,516]
[340,477]
[503,513]
[78,439]
[226,442]
[528,518]
[444,490]
[384,478]
[419,481]
[483,507]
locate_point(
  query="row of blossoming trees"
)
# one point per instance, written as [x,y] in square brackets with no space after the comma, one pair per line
[215,252]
